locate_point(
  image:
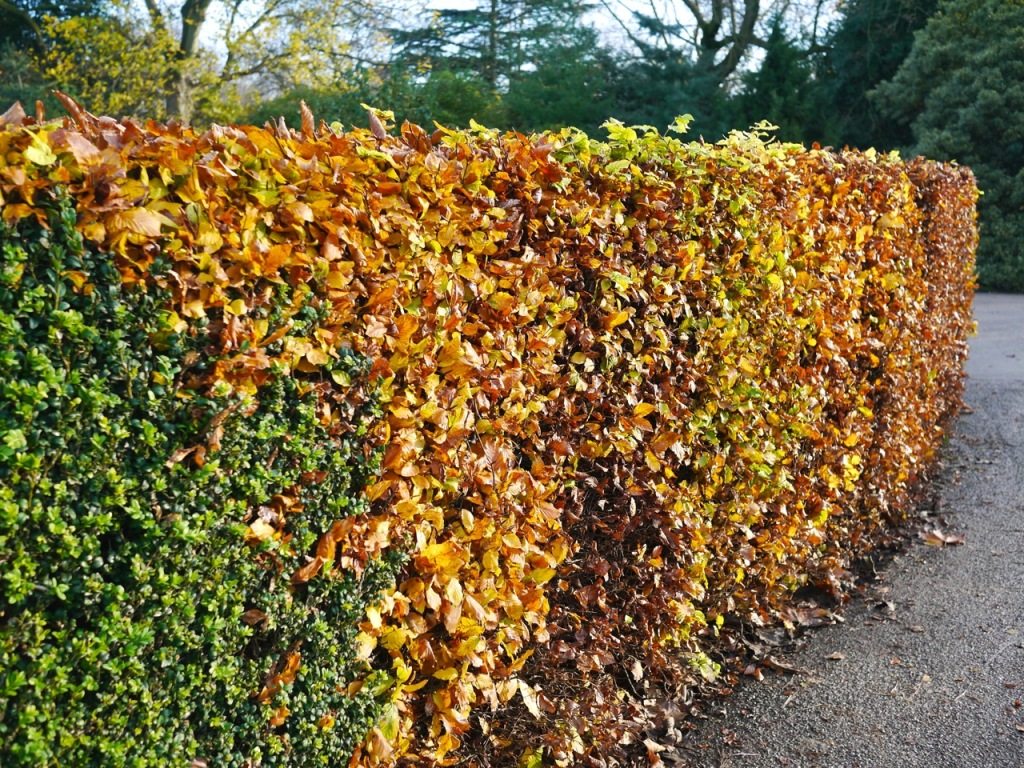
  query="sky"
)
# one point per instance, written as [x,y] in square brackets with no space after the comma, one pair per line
[799,11]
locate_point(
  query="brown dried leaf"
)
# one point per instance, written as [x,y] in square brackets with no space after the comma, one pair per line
[308,124]
[935,537]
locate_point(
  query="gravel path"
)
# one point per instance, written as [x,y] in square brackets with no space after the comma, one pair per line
[927,671]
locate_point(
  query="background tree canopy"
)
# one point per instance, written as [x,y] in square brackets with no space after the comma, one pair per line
[938,77]
[960,94]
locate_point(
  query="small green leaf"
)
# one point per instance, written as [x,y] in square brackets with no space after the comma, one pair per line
[681,124]
[15,440]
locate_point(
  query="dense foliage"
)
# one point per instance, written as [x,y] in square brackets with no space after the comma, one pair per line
[960,93]
[864,49]
[149,519]
[783,91]
[631,391]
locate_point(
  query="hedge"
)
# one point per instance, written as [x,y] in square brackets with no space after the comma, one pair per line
[585,402]
[151,519]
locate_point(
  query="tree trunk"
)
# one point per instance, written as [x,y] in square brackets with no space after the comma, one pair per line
[180,101]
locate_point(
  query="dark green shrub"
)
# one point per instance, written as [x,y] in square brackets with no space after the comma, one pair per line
[125,567]
[960,91]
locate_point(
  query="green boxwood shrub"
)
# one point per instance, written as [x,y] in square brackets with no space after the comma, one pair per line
[137,624]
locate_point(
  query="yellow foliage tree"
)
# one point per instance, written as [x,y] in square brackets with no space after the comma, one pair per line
[109,65]
[199,59]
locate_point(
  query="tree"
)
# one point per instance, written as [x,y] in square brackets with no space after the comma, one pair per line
[568,86]
[21,20]
[517,63]
[19,24]
[655,90]
[691,56]
[21,37]
[960,93]
[111,64]
[867,46]
[495,39]
[783,91]
[208,53]
[715,37]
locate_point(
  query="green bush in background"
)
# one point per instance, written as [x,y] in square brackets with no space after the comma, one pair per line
[137,624]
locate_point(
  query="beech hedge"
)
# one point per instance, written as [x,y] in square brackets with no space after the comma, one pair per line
[391,445]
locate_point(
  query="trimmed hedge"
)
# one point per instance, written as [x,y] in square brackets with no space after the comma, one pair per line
[147,616]
[630,390]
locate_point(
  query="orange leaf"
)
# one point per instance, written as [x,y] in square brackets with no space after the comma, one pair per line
[308,571]
[616,319]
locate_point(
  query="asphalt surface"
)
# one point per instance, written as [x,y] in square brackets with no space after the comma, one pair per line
[927,670]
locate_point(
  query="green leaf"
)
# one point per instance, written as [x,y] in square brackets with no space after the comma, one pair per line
[15,440]
[681,124]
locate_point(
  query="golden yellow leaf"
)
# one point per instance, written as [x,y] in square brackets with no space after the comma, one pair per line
[616,319]
[541,575]
[394,638]
[236,307]
[529,696]
[137,221]
[643,409]
[260,530]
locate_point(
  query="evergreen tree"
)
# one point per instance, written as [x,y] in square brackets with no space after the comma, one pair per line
[783,91]
[447,96]
[867,46]
[568,86]
[495,39]
[655,90]
[515,63]
[960,94]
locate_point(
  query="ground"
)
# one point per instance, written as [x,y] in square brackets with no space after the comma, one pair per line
[927,669]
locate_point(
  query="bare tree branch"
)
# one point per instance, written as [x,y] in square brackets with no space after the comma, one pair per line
[627,29]
[716,36]
[156,16]
[744,34]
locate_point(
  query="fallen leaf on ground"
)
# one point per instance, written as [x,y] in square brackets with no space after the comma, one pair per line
[653,746]
[935,537]
[810,617]
[778,666]
[772,636]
